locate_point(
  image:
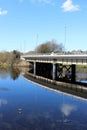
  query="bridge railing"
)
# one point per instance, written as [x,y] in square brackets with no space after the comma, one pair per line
[64,59]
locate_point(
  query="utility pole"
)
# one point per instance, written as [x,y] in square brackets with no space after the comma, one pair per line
[36,41]
[65,36]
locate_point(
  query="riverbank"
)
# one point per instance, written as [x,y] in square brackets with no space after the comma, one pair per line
[5,65]
[17,63]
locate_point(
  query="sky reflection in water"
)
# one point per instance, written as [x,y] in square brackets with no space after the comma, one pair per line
[27,106]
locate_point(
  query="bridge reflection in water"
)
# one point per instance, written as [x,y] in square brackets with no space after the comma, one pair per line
[77,89]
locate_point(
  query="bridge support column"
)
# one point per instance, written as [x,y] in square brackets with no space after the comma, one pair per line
[34,68]
[54,71]
[73,71]
[59,71]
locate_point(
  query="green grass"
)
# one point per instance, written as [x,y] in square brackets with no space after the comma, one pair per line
[5,65]
[81,66]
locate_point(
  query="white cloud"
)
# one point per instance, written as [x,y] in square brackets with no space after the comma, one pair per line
[39,1]
[3,12]
[67,109]
[69,6]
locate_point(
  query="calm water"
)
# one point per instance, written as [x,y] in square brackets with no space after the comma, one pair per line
[28,106]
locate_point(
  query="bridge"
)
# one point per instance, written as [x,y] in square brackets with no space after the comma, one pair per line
[63,59]
[56,67]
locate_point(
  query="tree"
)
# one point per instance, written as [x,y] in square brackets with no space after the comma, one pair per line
[15,56]
[49,46]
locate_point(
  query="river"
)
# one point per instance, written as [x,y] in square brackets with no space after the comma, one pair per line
[25,105]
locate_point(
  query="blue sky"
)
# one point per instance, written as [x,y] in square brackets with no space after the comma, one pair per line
[24,24]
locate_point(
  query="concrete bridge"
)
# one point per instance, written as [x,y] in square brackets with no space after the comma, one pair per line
[63,59]
[56,67]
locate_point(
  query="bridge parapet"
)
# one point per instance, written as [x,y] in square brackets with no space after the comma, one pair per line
[62,59]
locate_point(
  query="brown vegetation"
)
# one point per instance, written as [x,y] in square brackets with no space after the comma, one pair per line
[49,46]
[9,58]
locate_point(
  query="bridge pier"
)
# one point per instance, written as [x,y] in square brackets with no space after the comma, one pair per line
[73,71]
[34,68]
[66,72]
[59,71]
[54,71]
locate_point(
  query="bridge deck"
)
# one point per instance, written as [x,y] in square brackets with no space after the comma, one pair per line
[64,59]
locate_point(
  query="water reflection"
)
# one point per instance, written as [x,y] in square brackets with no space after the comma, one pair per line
[3,102]
[1,116]
[4,73]
[14,73]
[67,109]
[28,106]
[4,89]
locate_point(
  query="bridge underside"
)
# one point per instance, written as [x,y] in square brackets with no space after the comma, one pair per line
[55,71]
[56,67]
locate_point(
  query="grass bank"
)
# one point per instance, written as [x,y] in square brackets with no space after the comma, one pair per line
[5,65]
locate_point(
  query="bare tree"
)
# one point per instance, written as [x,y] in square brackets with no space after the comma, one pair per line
[49,46]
